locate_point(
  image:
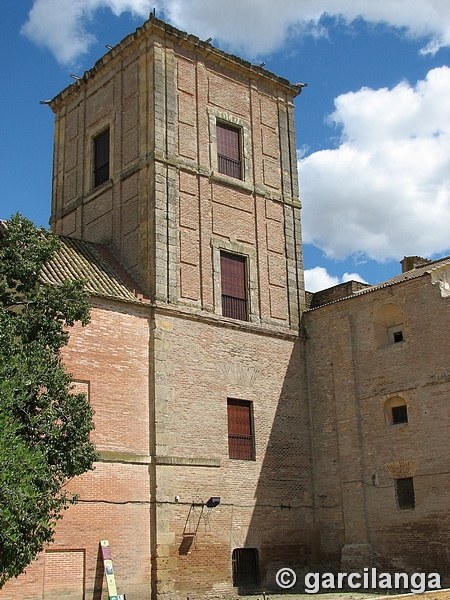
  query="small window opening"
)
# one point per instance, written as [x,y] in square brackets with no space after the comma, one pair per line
[399,414]
[395,411]
[388,326]
[398,336]
[240,430]
[405,493]
[245,563]
[228,150]
[101,158]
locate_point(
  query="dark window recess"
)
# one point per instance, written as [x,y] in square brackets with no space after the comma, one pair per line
[240,430]
[399,414]
[245,567]
[228,150]
[101,158]
[405,493]
[398,336]
[233,279]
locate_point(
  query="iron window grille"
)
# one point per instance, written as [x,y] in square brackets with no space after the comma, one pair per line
[399,414]
[245,562]
[229,150]
[240,430]
[233,280]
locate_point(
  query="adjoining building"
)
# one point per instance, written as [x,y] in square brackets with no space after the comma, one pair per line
[242,426]
[378,387]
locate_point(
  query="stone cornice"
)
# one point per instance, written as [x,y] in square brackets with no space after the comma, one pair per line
[163,30]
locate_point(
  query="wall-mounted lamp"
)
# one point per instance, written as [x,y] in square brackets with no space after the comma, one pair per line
[213,502]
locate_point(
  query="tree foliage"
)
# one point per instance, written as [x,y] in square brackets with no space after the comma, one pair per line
[44,426]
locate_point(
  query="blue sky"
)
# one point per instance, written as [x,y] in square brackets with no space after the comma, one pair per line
[373,125]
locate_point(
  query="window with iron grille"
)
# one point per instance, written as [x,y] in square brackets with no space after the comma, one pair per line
[245,563]
[240,429]
[234,289]
[399,414]
[405,493]
[228,150]
[101,158]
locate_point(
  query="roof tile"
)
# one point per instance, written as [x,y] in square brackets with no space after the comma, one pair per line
[83,260]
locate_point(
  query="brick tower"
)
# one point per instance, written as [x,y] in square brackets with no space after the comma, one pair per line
[180,161]
[170,151]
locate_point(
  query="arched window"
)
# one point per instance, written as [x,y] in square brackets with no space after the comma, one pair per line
[245,563]
[395,411]
[388,325]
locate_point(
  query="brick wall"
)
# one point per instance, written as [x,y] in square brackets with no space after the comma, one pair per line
[352,377]
[109,360]
[199,366]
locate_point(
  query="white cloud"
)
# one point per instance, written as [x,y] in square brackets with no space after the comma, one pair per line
[272,22]
[385,191]
[318,278]
[61,25]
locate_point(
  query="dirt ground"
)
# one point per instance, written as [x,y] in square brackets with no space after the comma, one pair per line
[331,596]
[436,595]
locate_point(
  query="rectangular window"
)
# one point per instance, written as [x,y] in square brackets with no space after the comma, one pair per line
[101,158]
[396,334]
[240,430]
[234,289]
[228,150]
[405,493]
[399,414]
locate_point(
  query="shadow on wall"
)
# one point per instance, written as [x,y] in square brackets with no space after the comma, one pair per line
[281,532]
[99,575]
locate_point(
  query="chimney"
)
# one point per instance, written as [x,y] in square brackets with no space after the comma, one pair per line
[413,262]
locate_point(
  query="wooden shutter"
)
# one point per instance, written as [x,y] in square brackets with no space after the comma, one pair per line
[233,275]
[240,430]
[233,279]
[101,158]
[228,150]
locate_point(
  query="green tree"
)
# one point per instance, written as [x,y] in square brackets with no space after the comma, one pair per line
[44,426]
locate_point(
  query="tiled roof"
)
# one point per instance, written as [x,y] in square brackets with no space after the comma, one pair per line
[406,276]
[412,274]
[103,275]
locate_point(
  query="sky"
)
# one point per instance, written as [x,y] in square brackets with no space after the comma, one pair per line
[373,125]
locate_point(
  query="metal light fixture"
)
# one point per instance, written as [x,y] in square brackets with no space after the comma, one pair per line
[213,502]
